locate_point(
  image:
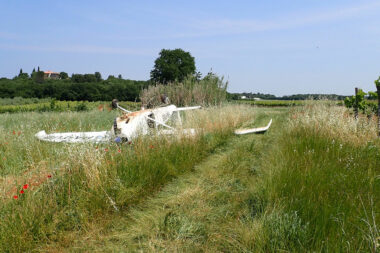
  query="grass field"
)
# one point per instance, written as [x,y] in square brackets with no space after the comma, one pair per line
[311,183]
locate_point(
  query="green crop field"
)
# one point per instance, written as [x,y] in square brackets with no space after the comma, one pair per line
[52,105]
[273,103]
[286,103]
[311,183]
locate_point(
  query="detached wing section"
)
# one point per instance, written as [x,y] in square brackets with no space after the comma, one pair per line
[75,137]
[253,130]
[186,108]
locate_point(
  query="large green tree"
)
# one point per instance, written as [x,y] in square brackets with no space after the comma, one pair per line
[172,65]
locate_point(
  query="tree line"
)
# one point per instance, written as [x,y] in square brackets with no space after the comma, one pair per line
[250,95]
[90,87]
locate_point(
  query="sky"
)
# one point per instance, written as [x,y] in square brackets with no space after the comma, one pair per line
[279,47]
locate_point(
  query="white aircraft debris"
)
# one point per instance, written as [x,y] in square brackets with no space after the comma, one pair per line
[253,130]
[133,124]
[127,127]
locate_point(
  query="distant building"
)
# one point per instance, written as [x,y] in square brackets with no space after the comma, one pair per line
[243,97]
[256,99]
[51,75]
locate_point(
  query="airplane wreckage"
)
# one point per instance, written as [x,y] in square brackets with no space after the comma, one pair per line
[133,124]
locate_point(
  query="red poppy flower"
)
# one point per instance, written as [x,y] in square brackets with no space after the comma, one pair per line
[106,149]
[15,197]
[151,146]
[25,186]
[22,192]
[119,151]
[49,176]
[14,132]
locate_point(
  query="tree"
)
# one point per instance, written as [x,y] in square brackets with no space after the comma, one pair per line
[172,65]
[89,78]
[120,76]
[98,76]
[77,78]
[377,83]
[372,95]
[39,76]
[23,75]
[63,75]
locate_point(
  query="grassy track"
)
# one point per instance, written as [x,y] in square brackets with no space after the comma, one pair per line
[310,184]
[203,210]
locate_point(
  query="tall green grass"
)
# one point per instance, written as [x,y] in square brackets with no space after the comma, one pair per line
[320,184]
[71,186]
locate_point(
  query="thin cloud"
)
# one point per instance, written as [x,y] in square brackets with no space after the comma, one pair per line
[227,26]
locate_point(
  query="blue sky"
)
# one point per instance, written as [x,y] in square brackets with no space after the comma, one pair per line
[277,47]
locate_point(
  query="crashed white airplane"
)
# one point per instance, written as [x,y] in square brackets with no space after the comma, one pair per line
[133,124]
[126,127]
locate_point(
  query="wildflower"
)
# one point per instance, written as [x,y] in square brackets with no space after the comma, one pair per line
[49,176]
[106,149]
[119,151]
[25,186]
[151,146]
[97,148]
[18,133]
[15,197]
[22,192]
[14,132]
[129,142]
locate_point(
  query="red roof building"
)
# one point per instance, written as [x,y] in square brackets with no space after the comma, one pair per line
[51,74]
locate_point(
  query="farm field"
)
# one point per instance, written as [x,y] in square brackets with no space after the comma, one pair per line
[273,103]
[16,105]
[311,183]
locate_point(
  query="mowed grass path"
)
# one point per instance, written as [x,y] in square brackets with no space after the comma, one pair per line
[207,209]
[310,184]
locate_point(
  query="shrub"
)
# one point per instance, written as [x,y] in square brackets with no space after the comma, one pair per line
[211,90]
